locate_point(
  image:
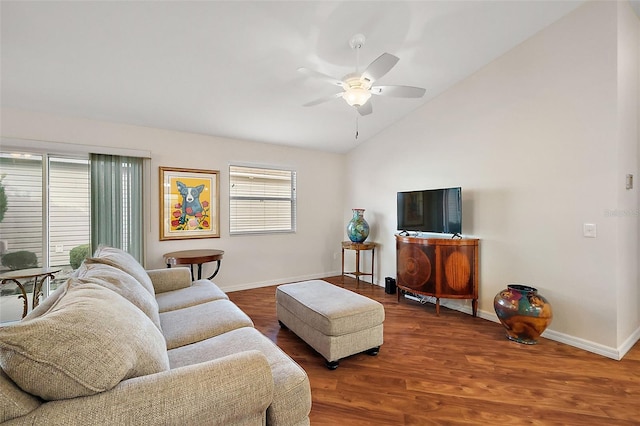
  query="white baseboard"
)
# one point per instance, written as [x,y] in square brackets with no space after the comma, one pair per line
[583,344]
[628,344]
[249,286]
[589,346]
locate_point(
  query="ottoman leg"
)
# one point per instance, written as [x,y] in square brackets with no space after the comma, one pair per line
[332,365]
[373,351]
[282,325]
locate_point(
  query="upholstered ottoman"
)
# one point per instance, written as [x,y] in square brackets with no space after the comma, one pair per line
[333,321]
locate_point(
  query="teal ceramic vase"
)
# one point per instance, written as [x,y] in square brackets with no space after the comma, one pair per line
[358,228]
[523,312]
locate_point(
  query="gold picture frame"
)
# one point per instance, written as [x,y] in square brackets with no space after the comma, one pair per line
[189,203]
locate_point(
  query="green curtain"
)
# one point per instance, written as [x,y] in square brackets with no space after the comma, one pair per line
[117,203]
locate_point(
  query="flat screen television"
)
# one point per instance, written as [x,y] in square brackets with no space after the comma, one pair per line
[431,210]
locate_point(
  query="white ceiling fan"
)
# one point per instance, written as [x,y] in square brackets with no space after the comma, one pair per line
[358,87]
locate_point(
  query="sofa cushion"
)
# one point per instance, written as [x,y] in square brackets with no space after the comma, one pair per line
[122,283]
[169,279]
[291,392]
[189,325]
[14,402]
[200,291]
[90,340]
[124,261]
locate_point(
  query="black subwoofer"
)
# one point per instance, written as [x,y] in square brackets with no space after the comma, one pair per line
[390,285]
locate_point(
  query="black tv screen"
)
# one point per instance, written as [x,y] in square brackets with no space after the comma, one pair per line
[431,210]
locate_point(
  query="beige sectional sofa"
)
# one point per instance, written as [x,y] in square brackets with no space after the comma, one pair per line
[118,345]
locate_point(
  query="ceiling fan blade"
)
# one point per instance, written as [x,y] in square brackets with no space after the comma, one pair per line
[365,109]
[399,91]
[323,99]
[321,76]
[380,67]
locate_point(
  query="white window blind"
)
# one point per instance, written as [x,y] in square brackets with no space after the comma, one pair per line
[69,217]
[261,200]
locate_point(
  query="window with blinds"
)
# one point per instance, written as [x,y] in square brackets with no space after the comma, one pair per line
[262,200]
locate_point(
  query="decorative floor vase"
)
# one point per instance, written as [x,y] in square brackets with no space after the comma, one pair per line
[523,313]
[358,228]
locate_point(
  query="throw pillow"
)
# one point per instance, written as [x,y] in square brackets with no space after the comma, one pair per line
[122,283]
[47,303]
[89,341]
[124,261]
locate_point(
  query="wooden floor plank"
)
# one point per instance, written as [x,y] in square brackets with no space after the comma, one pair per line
[455,369]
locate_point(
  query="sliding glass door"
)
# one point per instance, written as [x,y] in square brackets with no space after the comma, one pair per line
[68,213]
[44,216]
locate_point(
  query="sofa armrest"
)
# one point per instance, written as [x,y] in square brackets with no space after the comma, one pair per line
[169,279]
[236,389]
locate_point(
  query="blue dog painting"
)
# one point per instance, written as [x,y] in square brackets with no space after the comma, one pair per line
[191,204]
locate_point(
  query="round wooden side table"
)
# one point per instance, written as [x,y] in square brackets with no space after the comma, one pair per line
[194,257]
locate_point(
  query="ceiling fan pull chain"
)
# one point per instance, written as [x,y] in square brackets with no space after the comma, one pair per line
[356,127]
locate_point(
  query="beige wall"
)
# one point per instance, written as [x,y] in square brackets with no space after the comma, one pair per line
[540,140]
[249,261]
[628,110]
[539,144]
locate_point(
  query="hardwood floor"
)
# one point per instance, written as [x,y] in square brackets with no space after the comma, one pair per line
[455,369]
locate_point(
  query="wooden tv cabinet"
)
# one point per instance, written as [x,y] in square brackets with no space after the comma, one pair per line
[438,267]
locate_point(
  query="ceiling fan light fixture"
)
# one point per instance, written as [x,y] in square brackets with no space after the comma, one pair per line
[358,86]
[356,96]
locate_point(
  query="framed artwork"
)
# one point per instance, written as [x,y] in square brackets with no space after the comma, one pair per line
[189,203]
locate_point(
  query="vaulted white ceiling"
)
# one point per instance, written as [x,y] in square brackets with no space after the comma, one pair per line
[229,68]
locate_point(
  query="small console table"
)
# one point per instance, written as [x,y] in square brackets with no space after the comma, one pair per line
[38,275]
[438,267]
[194,257]
[350,245]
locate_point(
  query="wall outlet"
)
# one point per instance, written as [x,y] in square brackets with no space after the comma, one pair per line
[336,256]
[589,230]
[59,248]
